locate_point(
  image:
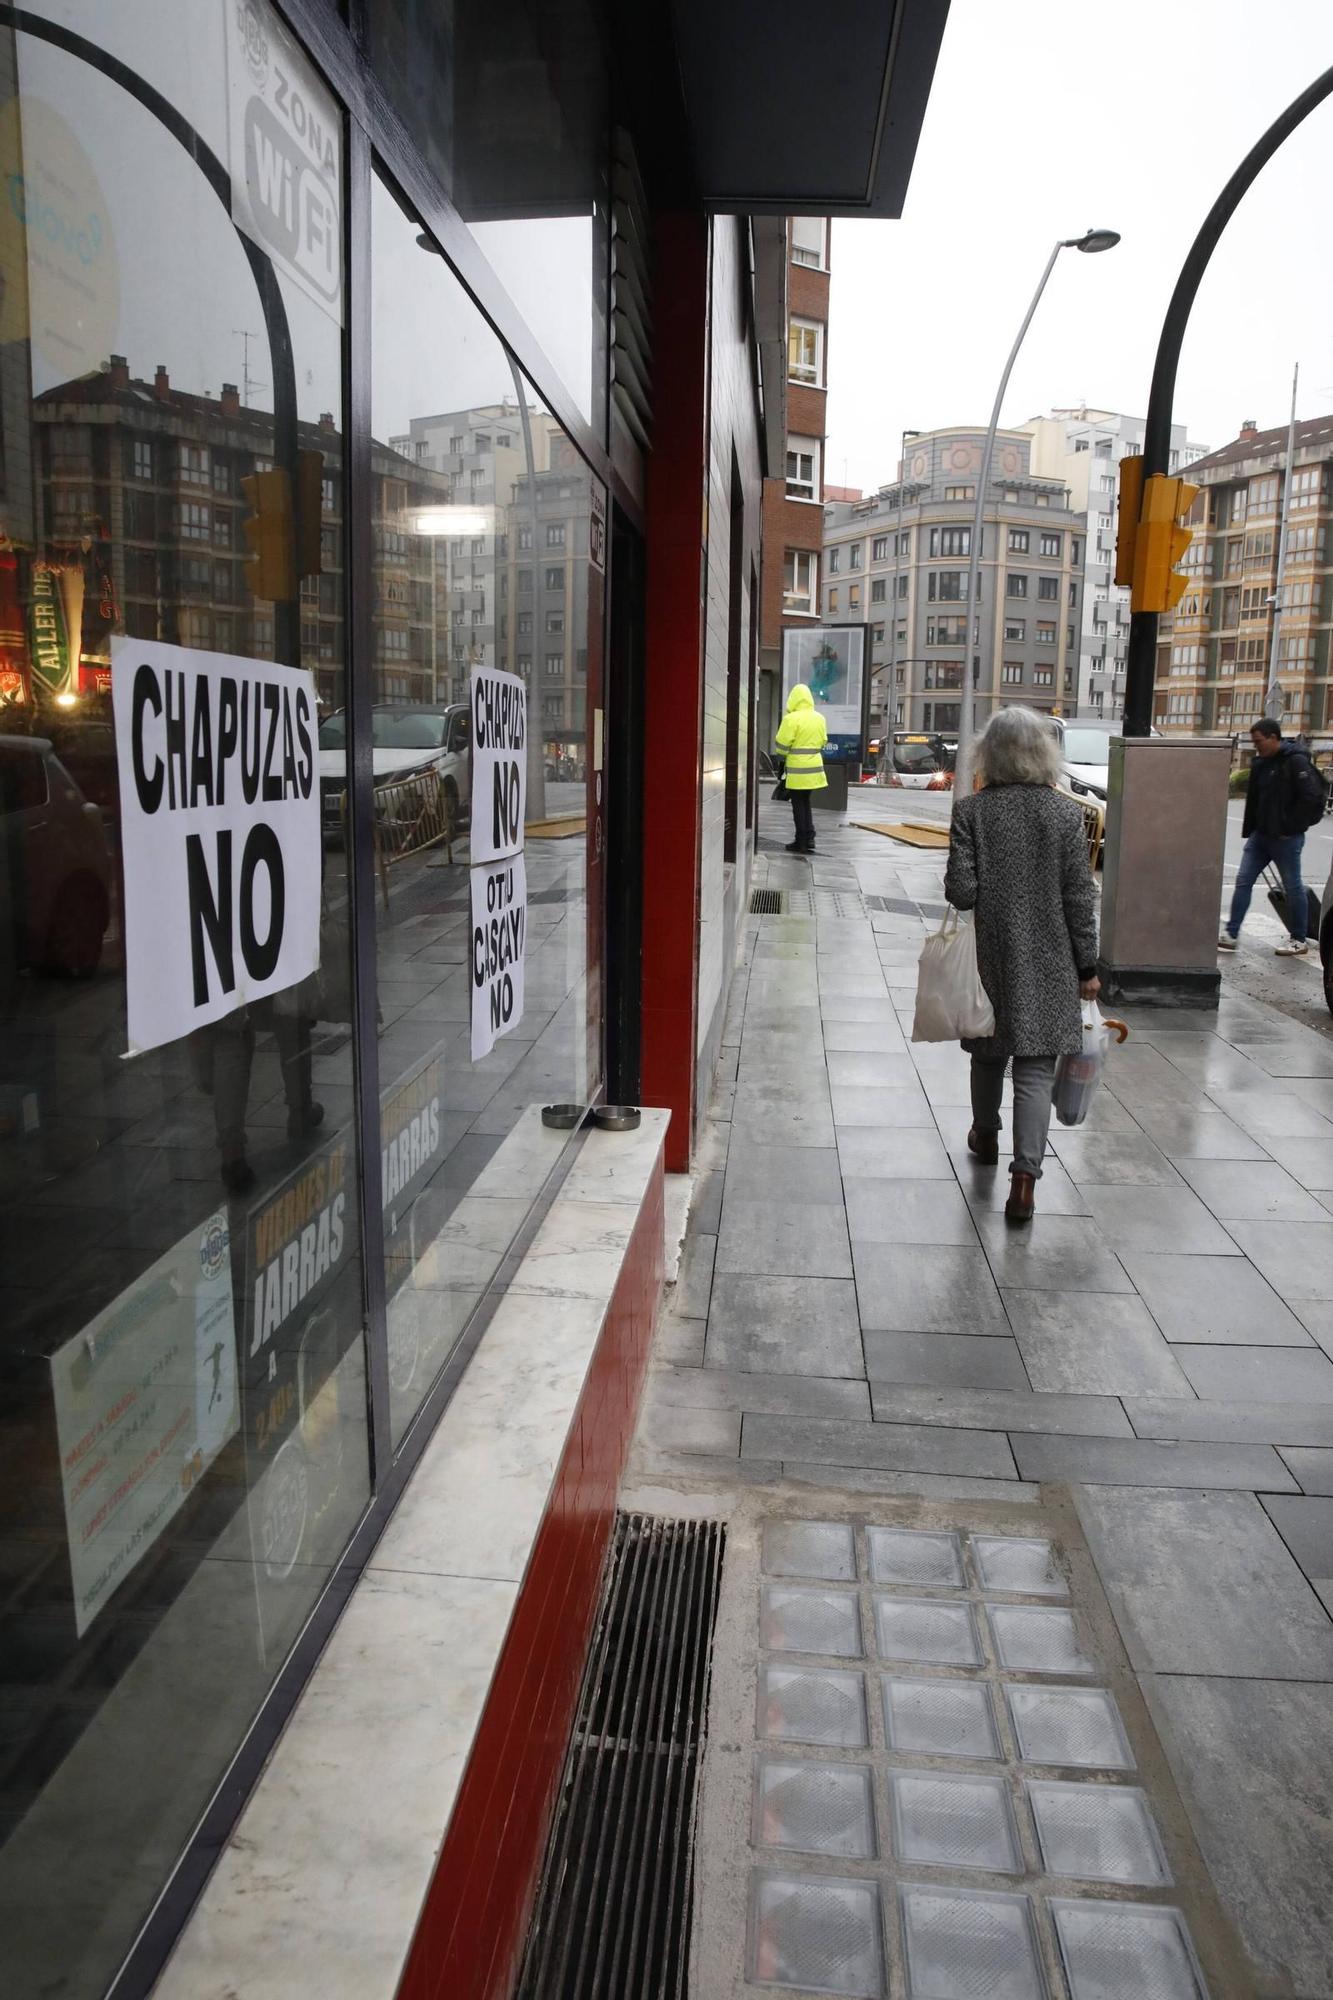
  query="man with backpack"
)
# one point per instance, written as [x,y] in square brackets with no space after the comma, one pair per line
[1284,799]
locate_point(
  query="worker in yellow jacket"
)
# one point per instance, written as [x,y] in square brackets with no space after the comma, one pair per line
[801,737]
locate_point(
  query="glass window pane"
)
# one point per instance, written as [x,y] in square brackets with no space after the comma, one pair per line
[509,106]
[475,484]
[183,1441]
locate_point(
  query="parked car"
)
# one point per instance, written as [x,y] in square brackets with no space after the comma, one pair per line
[404,742]
[55,862]
[1085,753]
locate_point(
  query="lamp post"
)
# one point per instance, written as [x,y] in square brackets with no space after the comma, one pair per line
[893,588]
[1090,242]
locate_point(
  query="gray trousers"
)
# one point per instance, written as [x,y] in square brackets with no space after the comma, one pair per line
[1033,1078]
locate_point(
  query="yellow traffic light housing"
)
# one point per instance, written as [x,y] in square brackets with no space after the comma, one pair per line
[284,541]
[309,508]
[271,571]
[1127,517]
[1160,543]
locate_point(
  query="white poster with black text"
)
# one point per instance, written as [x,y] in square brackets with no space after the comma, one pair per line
[220,833]
[499,936]
[499,763]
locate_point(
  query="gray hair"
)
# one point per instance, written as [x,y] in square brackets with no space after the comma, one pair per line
[1018,747]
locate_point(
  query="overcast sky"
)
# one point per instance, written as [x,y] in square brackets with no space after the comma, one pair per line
[1050,116]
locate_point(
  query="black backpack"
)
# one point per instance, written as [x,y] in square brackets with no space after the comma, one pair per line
[1310,796]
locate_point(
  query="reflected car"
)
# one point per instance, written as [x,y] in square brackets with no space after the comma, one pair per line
[404,742]
[55,862]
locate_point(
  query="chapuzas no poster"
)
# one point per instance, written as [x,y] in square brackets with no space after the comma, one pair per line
[220,832]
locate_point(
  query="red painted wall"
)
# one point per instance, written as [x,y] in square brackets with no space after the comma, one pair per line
[470,1936]
[677,472]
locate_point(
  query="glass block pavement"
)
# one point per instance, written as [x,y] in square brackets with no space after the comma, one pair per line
[945,1802]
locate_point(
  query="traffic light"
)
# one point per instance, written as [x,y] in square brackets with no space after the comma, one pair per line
[1127,517]
[309,506]
[284,543]
[271,571]
[1160,543]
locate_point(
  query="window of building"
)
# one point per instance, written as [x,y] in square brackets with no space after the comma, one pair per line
[1263,495]
[1012,672]
[878,589]
[947,586]
[1045,631]
[1073,593]
[1071,636]
[1015,584]
[946,631]
[1048,589]
[802,468]
[555,663]
[1019,540]
[1050,545]
[141,464]
[194,465]
[960,492]
[555,621]
[905,585]
[834,561]
[554,578]
[1043,677]
[800,576]
[854,555]
[1015,629]
[555,534]
[805,352]
[877,634]
[193,522]
[854,598]
[831,599]
[950,541]
[809,237]
[879,549]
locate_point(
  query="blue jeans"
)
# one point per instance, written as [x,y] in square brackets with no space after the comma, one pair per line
[1261,849]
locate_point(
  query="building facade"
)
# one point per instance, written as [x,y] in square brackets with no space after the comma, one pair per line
[794,500]
[1215,651]
[1084,448]
[907,550]
[376,805]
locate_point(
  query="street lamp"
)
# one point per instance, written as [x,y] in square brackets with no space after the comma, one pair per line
[893,601]
[1090,243]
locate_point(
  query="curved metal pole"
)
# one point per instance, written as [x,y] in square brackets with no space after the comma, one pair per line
[963,761]
[536,749]
[286,614]
[1142,657]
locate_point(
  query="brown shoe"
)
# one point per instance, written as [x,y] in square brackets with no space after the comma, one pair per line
[1022,1198]
[985,1146]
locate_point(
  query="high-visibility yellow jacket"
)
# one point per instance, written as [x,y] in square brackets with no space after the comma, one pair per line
[802,734]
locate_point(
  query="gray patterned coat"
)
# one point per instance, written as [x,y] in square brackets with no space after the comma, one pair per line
[1018,856]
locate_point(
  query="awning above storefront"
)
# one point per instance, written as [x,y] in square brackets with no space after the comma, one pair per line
[791,111]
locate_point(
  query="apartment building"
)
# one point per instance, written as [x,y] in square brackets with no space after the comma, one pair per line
[1084,447]
[1215,650]
[906,550]
[793,517]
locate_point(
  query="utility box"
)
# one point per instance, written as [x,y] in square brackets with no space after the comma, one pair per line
[833,796]
[1166,821]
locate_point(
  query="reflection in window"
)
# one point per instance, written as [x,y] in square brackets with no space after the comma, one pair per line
[182,1388]
[469,470]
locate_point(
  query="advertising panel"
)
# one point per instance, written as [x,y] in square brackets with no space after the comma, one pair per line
[830,659]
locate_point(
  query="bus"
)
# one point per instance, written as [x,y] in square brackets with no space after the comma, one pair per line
[921,761]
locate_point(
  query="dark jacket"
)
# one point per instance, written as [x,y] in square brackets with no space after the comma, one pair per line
[1284,795]
[1018,856]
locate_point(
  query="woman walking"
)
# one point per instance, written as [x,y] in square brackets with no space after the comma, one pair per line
[802,734]
[1018,856]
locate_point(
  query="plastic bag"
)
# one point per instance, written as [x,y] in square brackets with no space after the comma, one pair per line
[951,1002]
[1076,1077]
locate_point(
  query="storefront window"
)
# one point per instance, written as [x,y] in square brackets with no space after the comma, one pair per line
[471,475]
[183,1441]
[509,108]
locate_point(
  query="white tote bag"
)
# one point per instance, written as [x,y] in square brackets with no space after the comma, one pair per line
[951,1002]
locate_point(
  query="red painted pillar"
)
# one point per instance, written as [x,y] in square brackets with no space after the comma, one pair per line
[673,705]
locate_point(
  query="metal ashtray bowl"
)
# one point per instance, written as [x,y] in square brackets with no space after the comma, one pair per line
[616,1117]
[563,1117]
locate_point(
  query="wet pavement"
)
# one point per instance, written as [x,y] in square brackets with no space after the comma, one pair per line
[852,1318]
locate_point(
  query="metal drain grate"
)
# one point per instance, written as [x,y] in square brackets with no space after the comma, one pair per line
[612,1920]
[765,902]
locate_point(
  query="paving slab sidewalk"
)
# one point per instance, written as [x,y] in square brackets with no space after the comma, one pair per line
[853,1312]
